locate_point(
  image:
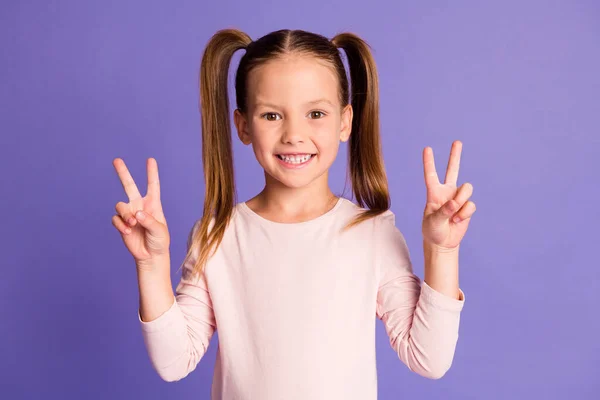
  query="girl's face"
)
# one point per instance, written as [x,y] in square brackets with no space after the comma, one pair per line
[293,107]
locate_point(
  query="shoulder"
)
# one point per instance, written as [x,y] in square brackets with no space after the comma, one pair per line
[387,231]
[196,226]
[350,210]
[387,217]
[378,227]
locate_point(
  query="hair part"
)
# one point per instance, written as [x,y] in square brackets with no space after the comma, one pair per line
[365,158]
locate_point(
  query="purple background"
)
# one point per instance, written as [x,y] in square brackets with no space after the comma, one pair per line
[516,82]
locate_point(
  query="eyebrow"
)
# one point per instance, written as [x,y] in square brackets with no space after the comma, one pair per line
[323,100]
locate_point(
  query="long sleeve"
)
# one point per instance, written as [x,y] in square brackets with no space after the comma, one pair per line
[421,323]
[179,338]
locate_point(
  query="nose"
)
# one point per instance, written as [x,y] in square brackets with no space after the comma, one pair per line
[293,132]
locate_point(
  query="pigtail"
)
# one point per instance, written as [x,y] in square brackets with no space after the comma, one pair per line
[217,151]
[365,157]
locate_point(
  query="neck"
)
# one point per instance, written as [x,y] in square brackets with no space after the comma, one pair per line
[285,204]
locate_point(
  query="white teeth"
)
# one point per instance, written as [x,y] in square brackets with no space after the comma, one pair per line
[295,159]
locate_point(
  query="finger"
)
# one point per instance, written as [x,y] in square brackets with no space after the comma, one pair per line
[126,179]
[465,212]
[118,223]
[124,211]
[431,177]
[453,163]
[464,192]
[452,207]
[448,209]
[153,181]
[149,223]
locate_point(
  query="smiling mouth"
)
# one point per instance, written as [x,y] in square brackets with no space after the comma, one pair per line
[295,159]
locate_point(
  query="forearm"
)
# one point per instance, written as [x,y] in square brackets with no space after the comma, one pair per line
[425,336]
[156,292]
[441,269]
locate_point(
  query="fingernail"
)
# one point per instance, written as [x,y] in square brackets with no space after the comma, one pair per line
[457,219]
[131,221]
[140,215]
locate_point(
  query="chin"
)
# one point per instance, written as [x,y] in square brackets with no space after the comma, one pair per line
[294,182]
[297,181]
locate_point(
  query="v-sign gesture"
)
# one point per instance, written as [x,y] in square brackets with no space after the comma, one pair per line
[146,238]
[447,210]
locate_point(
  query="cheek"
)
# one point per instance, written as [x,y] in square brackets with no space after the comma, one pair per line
[262,145]
[261,135]
[327,135]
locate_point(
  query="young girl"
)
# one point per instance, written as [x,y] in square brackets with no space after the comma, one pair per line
[294,277]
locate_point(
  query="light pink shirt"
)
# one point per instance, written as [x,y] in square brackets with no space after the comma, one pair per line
[295,306]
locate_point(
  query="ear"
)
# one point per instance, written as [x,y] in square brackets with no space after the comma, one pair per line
[346,127]
[241,124]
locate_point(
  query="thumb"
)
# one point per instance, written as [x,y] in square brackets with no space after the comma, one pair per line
[445,212]
[149,223]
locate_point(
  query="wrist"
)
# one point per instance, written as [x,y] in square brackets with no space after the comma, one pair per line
[441,269]
[155,265]
[434,248]
[154,277]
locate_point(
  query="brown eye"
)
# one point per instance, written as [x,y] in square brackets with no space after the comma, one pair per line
[269,115]
[320,114]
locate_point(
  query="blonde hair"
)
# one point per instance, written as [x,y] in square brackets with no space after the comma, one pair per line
[365,158]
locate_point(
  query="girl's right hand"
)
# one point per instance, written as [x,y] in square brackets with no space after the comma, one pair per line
[146,239]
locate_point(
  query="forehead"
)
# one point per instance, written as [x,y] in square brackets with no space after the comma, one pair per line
[293,79]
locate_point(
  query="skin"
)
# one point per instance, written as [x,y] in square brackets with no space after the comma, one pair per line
[280,118]
[446,202]
[149,238]
[446,218]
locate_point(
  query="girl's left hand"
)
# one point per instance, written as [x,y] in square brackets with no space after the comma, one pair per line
[446,202]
